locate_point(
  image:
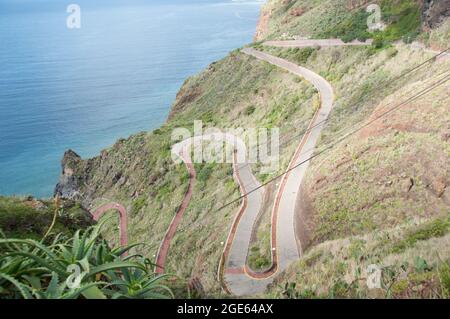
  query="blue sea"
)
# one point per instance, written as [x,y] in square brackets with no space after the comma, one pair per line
[118,74]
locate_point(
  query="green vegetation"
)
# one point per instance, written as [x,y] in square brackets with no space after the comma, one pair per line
[353,26]
[301,55]
[204,172]
[31,218]
[402,19]
[437,38]
[432,229]
[338,269]
[83,266]
[260,258]
[333,19]
[139,204]
[250,110]
[379,198]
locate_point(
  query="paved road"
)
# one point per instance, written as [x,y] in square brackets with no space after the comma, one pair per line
[171,231]
[238,278]
[314,42]
[123,224]
[242,172]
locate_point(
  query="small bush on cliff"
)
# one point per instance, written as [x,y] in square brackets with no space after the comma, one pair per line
[302,55]
[352,27]
[403,22]
[250,110]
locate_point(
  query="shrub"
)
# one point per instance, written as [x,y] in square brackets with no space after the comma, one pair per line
[138,204]
[250,110]
[436,228]
[350,28]
[403,20]
[31,269]
[19,219]
[392,52]
[204,172]
[301,55]
[444,277]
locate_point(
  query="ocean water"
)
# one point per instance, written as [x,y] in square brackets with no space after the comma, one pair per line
[117,75]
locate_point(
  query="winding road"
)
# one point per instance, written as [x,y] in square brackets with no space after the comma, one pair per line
[314,42]
[182,151]
[123,221]
[237,277]
[171,231]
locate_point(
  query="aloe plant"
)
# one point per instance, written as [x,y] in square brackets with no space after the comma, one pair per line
[83,266]
[136,284]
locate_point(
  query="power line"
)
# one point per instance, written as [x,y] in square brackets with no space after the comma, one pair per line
[328,148]
[380,86]
[362,98]
[418,95]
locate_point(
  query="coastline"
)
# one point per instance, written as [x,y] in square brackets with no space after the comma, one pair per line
[52,121]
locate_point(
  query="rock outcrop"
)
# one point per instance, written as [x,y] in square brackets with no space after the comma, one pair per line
[434,13]
[263,23]
[69,184]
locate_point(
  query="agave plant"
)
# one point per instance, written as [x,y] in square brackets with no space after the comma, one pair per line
[137,284]
[54,290]
[81,266]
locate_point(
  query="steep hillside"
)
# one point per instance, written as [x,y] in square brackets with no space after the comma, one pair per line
[379,197]
[347,19]
[384,189]
[139,172]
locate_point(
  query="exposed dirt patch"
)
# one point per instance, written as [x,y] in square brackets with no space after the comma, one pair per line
[263,24]
[184,97]
[395,122]
[394,170]
[297,12]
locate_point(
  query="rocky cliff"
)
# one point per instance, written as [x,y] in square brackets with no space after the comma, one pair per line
[69,182]
[375,193]
[263,22]
[434,13]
